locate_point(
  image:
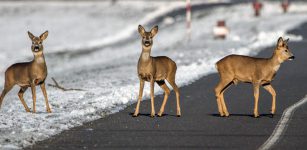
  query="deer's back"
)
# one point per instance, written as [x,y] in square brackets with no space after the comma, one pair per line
[243,68]
[24,73]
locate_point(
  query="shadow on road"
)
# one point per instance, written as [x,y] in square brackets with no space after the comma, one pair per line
[244,115]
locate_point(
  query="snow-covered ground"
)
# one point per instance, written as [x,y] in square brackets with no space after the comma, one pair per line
[108,74]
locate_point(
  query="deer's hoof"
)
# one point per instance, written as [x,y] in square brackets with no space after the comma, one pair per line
[135,115]
[152,115]
[48,110]
[223,114]
[28,110]
[160,114]
[34,111]
[272,115]
[256,115]
[178,113]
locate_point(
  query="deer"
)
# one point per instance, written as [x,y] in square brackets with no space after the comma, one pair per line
[257,71]
[29,74]
[155,69]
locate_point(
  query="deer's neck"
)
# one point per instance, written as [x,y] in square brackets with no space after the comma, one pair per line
[275,59]
[145,55]
[275,62]
[39,58]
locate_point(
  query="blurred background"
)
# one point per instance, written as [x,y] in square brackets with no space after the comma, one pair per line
[94,45]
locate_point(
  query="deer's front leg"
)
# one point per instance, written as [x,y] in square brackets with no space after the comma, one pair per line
[33,96]
[271,90]
[152,85]
[43,88]
[136,113]
[256,96]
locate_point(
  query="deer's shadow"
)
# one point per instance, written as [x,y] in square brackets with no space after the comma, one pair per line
[245,115]
[148,115]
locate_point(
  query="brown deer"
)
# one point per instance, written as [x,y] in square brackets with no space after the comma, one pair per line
[155,69]
[29,74]
[258,71]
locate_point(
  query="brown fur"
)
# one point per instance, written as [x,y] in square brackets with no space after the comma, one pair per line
[155,69]
[28,74]
[258,71]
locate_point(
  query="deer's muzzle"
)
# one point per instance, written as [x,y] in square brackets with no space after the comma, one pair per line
[146,43]
[291,58]
[36,48]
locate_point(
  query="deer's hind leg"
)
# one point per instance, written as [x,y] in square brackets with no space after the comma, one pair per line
[7,87]
[171,80]
[166,94]
[20,95]
[271,90]
[219,93]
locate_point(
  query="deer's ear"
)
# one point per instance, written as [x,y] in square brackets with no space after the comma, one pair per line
[141,30]
[286,41]
[31,36]
[154,31]
[44,35]
[280,42]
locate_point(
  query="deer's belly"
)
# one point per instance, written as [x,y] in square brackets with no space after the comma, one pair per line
[160,77]
[145,76]
[23,81]
[27,83]
[265,82]
[24,84]
[242,79]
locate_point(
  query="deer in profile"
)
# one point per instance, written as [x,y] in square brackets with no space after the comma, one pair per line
[155,69]
[29,74]
[258,71]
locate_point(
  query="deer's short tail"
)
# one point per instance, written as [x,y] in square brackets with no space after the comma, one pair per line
[216,67]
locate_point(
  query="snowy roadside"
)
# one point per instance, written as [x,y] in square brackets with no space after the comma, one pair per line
[109,75]
[75,26]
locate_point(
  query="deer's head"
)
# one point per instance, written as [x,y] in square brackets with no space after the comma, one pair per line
[282,50]
[37,42]
[147,36]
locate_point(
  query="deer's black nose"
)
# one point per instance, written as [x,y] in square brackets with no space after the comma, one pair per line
[146,42]
[291,58]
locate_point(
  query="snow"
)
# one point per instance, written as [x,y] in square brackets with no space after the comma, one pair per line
[95,47]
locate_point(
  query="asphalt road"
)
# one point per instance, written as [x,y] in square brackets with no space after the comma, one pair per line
[200,126]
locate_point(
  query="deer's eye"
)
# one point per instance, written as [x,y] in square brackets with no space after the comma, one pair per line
[286,50]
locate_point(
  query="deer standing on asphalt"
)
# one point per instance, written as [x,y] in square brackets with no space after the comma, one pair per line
[155,69]
[258,71]
[29,74]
